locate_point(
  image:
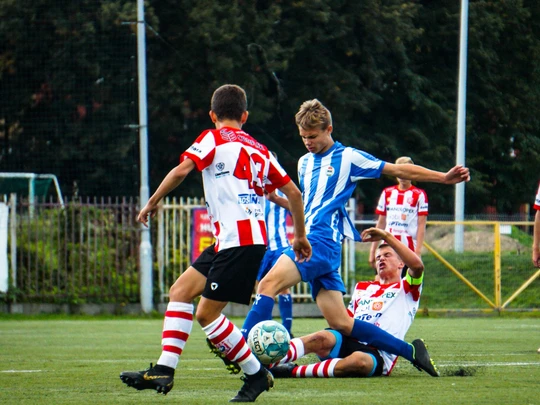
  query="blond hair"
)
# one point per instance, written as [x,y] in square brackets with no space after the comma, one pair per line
[313,115]
[404,159]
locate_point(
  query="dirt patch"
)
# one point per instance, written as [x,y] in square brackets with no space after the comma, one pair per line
[473,241]
[441,238]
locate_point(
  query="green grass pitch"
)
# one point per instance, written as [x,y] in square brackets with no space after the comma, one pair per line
[63,360]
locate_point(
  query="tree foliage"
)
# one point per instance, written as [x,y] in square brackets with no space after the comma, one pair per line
[387,69]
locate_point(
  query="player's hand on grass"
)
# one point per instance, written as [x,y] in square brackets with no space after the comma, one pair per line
[457,174]
[302,249]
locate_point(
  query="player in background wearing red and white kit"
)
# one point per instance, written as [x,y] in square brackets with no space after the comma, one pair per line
[536,234]
[402,211]
[389,303]
[236,171]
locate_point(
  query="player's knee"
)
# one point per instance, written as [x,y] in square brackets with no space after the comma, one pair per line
[321,343]
[267,286]
[358,364]
[360,361]
[179,293]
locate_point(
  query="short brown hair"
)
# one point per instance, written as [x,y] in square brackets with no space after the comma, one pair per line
[313,115]
[386,245]
[229,102]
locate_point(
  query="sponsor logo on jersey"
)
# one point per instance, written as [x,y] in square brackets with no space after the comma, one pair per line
[403,217]
[250,141]
[401,208]
[228,135]
[410,201]
[195,149]
[248,199]
[258,213]
[330,171]
[220,167]
[364,302]
[377,306]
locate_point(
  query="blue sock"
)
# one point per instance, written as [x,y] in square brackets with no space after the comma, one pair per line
[382,340]
[285,309]
[260,311]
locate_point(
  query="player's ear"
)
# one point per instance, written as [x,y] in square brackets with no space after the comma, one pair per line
[213,116]
[244,118]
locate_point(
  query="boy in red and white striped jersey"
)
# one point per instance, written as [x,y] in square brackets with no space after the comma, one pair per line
[536,236]
[402,211]
[236,171]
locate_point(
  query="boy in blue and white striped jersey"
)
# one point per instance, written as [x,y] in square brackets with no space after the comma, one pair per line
[276,214]
[328,174]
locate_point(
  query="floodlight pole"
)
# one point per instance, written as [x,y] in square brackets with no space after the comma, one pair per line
[461,117]
[145,247]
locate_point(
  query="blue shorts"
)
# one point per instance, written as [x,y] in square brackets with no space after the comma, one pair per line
[322,270]
[270,258]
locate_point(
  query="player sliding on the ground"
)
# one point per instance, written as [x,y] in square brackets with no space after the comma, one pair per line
[328,174]
[390,303]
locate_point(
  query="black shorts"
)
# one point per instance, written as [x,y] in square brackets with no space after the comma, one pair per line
[349,345]
[230,273]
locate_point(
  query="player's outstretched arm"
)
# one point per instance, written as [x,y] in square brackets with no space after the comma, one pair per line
[455,175]
[172,180]
[300,244]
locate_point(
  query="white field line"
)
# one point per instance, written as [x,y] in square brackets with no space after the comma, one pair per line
[489,364]
[484,354]
[442,365]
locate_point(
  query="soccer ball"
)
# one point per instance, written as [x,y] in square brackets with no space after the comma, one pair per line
[269,341]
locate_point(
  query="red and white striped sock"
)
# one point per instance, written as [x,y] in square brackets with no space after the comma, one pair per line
[176,330]
[323,369]
[296,350]
[229,340]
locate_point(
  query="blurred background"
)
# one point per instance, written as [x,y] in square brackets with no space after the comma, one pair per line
[387,70]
